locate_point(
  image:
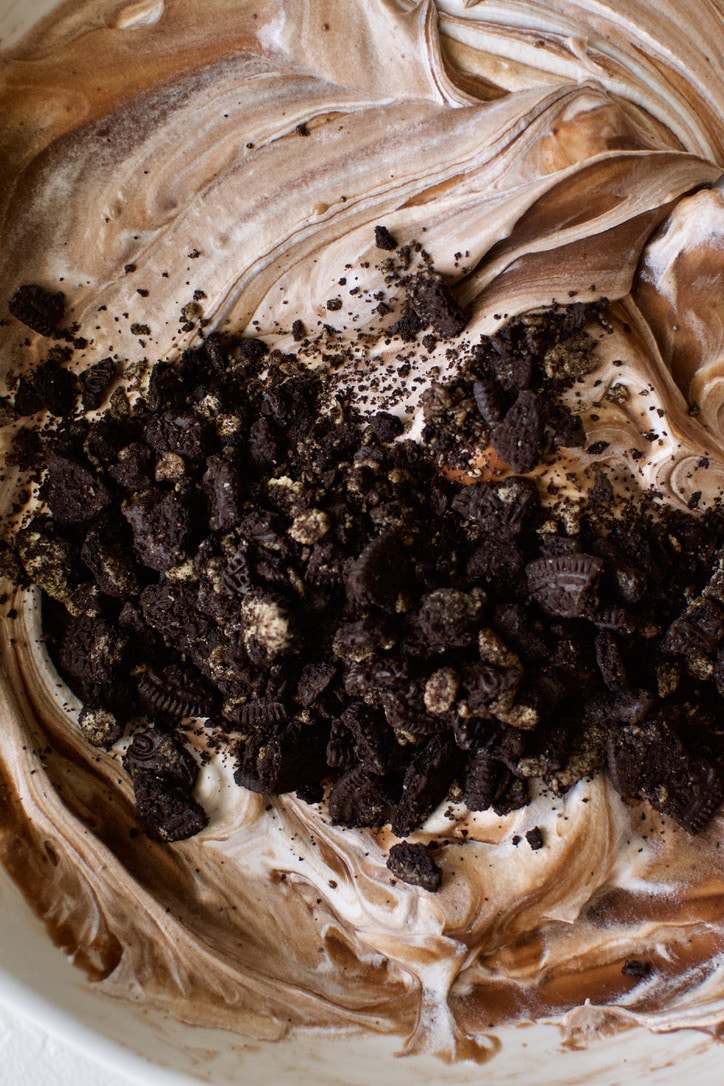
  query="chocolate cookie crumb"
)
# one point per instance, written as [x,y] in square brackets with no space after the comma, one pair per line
[518,437]
[534,838]
[413,864]
[95,382]
[38,308]
[168,813]
[435,305]
[384,239]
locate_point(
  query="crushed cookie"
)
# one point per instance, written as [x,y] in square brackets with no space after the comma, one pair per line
[345,618]
[39,309]
[412,863]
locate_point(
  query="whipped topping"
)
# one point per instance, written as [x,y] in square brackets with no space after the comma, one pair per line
[229,169]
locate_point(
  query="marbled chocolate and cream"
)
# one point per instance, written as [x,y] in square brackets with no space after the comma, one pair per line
[153,168]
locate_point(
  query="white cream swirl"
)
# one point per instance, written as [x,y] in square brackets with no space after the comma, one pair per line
[237,156]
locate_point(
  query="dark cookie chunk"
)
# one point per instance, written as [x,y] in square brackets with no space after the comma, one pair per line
[385,426]
[522,632]
[261,526]
[56,386]
[503,355]
[27,400]
[374,742]
[648,761]
[224,491]
[601,493]
[534,838]
[427,780]
[156,754]
[553,545]
[340,748]
[261,713]
[409,324]
[502,563]
[377,576]
[512,364]
[384,239]
[161,526]
[699,629]
[501,509]
[166,387]
[435,305]
[95,382]
[490,401]
[413,864]
[694,796]
[565,585]
[74,493]
[264,445]
[513,797]
[91,653]
[448,618]
[109,559]
[85,600]
[131,620]
[570,433]
[250,349]
[404,710]
[168,813]
[172,610]
[293,402]
[714,589]
[490,689]
[629,706]
[236,578]
[133,469]
[177,692]
[282,758]
[106,439]
[325,565]
[47,558]
[178,432]
[356,642]
[719,673]
[38,308]
[378,676]
[313,681]
[519,438]
[610,617]
[610,662]
[485,781]
[359,799]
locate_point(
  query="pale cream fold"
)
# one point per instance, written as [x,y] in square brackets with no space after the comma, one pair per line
[238,155]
